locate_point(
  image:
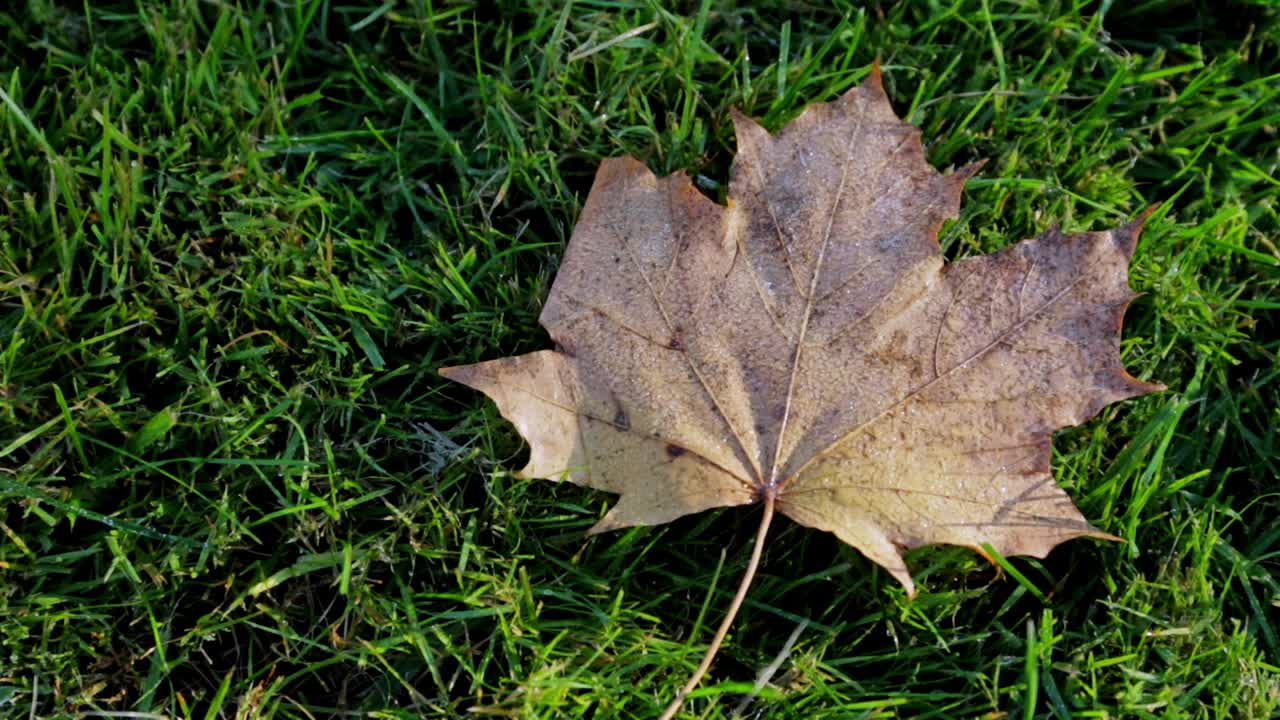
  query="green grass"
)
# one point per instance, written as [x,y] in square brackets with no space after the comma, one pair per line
[238,238]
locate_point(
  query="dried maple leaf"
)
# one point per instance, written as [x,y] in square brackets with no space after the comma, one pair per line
[808,346]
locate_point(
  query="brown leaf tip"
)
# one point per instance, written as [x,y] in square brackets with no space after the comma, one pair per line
[1126,236]
[971,169]
[456,373]
[875,78]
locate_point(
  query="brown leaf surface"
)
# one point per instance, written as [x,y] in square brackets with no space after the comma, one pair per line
[810,343]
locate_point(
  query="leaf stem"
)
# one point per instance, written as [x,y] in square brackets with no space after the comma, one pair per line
[723,630]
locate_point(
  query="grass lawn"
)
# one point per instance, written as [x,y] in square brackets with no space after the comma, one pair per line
[237,239]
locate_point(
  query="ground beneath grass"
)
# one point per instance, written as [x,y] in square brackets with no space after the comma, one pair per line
[238,238]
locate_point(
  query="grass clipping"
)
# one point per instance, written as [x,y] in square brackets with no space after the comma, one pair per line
[809,348]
